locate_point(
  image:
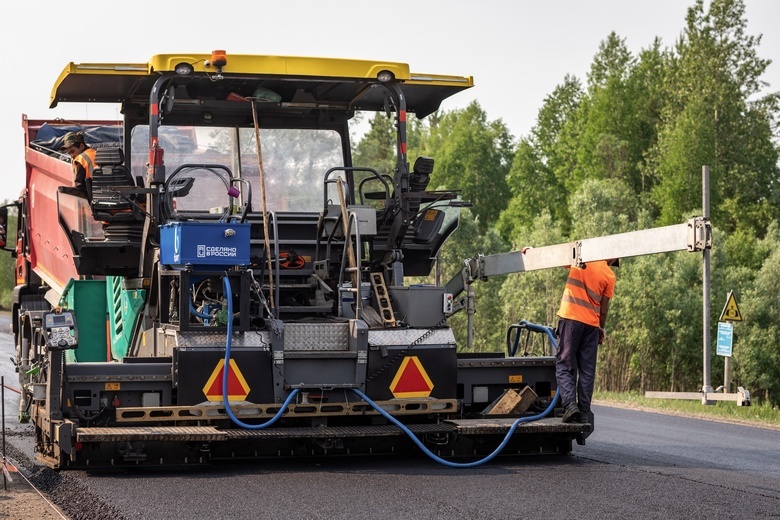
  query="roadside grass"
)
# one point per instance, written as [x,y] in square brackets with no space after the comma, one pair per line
[759,414]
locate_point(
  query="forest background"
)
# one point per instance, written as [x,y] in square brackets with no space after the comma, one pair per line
[622,150]
[619,151]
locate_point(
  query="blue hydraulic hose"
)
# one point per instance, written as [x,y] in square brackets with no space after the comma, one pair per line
[531,326]
[540,328]
[407,431]
[536,328]
[440,460]
[226,368]
[200,315]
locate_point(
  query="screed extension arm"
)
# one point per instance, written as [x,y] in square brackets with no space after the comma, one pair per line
[695,235]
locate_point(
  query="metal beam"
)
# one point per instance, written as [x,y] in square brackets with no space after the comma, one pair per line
[742,398]
[694,235]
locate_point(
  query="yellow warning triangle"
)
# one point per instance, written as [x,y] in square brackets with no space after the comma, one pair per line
[731,310]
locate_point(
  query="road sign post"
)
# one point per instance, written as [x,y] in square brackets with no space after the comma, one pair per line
[705,276]
[730,314]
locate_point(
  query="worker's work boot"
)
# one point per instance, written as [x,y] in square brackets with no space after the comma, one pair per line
[571,413]
[583,418]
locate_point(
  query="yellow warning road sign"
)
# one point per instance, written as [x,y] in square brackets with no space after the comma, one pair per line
[731,310]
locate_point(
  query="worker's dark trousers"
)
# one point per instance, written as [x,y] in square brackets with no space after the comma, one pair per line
[578,345]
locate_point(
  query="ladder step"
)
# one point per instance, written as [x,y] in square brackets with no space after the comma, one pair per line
[382,299]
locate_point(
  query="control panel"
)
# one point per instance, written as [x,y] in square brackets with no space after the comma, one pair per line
[447,304]
[61,332]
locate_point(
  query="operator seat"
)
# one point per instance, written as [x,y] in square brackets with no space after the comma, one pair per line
[108,203]
[110,195]
[418,183]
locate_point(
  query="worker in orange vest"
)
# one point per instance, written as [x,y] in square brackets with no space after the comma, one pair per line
[82,158]
[581,329]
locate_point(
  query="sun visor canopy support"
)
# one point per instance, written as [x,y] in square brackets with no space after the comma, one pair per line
[156,172]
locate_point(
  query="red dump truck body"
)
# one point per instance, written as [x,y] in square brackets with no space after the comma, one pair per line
[46,250]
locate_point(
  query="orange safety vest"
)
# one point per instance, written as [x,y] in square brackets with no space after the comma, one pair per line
[86,160]
[584,290]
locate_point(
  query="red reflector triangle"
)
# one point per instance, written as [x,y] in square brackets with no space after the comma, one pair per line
[234,387]
[411,380]
[237,389]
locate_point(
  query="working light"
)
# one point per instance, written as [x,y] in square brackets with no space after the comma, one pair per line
[385,76]
[183,69]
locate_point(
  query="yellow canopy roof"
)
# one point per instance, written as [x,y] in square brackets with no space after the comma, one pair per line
[326,81]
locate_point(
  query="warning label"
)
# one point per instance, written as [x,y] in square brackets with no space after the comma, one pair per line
[731,310]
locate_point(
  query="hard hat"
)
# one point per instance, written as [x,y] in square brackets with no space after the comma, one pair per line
[71,139]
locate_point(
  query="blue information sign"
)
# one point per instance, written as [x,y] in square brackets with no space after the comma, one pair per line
[725,337]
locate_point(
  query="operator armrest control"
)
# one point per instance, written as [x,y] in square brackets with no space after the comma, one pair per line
[61,332]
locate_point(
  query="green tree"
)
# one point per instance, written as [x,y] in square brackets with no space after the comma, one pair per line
[716,116]
[377,148]
[535,175]
[756,354]
[8,262]
[472,155]
[602,207]
[620,113]
[654,330]
[602,150]
[535,296]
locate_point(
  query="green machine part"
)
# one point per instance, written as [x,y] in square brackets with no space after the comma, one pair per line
[104,310]
[125,305]
[87,298]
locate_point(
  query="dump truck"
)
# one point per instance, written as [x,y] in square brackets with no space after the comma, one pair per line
[230,285]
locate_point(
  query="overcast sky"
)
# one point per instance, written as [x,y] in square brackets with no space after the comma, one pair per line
[517,50]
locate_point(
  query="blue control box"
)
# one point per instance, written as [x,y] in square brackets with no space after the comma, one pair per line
[204,245]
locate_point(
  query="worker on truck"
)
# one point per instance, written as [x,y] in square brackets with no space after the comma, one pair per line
[581,329]
[82,158]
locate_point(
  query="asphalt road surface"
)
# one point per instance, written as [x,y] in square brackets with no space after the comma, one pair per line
[635,465]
